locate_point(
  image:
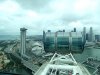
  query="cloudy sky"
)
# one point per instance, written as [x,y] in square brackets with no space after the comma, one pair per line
[39,15]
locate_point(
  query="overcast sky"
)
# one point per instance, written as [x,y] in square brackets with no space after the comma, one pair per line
[39,15]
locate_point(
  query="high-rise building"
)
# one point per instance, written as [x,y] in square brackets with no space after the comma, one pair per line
[84,34]
[91,39]
[74,29]
[87,36]
[63,30]
[97,38]
[23,40]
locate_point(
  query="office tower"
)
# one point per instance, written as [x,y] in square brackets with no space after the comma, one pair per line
[91,35]
[74,29]
[84,34]
[87,36]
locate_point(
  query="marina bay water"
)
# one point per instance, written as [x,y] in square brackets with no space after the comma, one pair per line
[88,52]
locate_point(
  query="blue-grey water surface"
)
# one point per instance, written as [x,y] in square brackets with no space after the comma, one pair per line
[88,52]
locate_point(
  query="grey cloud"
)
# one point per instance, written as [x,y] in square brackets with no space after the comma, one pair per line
[33,4]
[37,15]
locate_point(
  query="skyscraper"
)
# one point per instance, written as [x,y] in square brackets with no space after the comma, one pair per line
[74,29]
[84,34]
[87,36]
[23,40]
[91,35]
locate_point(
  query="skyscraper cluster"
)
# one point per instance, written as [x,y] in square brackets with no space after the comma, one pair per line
[90,35]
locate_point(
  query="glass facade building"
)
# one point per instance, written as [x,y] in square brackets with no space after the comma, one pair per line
[63,42]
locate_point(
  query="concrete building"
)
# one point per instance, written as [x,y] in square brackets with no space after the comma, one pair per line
[23,40]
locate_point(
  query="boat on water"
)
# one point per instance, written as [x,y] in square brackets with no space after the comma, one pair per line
[62,65]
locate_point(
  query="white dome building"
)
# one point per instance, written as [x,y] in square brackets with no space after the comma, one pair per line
[38,48]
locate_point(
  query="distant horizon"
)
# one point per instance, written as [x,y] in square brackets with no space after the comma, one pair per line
[66,30]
